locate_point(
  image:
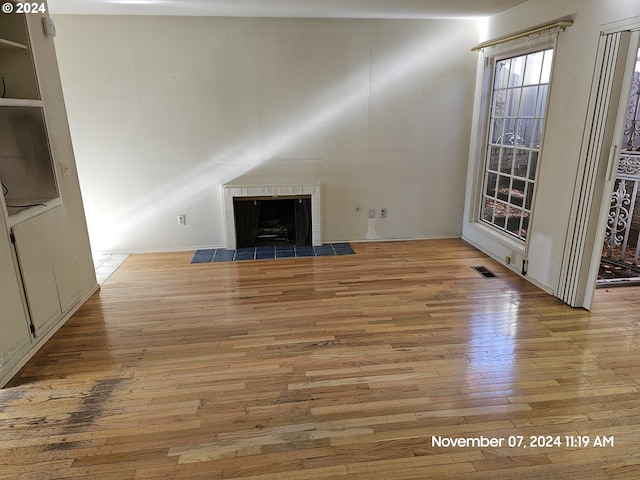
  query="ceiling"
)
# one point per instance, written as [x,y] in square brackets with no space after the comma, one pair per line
[288,8]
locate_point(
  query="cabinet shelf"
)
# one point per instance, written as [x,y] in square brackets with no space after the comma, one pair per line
[19,215]
[20,102]
[8,44]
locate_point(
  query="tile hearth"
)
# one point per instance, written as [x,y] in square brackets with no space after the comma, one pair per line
[270,253]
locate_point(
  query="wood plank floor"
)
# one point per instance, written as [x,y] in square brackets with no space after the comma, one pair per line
[330,368]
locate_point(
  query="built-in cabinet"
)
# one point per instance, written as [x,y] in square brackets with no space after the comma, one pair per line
[47,267]
[15,336]
[26,166]
[46,270]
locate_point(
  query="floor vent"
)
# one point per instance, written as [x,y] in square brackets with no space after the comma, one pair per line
[485,272]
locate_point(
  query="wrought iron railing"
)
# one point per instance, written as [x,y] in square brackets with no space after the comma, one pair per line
[623,224]
[622,238]
[631,140]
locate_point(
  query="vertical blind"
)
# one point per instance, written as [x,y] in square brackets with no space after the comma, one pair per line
[594,156]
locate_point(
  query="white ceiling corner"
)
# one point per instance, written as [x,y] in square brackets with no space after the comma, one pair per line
[288,8]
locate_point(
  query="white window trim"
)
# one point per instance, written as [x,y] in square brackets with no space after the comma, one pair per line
[500,245]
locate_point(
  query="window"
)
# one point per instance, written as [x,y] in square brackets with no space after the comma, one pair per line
[518,105]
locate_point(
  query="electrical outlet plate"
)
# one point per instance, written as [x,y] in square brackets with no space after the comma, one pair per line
[182,219]
[49,27]
[383,213]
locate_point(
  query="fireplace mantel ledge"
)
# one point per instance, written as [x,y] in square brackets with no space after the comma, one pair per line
[271,190]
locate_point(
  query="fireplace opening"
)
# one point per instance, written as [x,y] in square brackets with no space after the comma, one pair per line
[272,221]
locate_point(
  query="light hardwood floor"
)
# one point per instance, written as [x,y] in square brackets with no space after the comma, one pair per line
[329,368]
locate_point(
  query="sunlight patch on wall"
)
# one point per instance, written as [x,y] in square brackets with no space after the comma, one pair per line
[483,29]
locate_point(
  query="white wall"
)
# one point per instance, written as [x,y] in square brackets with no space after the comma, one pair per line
[163,110]
[574,66]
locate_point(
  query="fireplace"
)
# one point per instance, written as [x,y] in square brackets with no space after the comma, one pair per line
[266,215]
[268,221]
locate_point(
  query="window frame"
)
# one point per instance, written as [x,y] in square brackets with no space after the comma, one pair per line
[536,122]
[489,57]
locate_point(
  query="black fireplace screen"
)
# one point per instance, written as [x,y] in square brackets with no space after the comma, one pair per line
[272,221]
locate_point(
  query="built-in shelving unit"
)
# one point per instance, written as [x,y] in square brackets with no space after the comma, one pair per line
[46,270]
[26,166]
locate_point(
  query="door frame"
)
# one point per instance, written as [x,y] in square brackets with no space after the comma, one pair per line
[611,145]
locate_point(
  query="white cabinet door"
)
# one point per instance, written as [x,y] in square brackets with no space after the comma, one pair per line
[37,273]
[63,257]
[49,267]
[14,323]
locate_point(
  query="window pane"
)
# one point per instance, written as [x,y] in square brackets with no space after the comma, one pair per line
[512,106]
[487,210]
[528,102]
[497,131]
[534,68]
[506,161]
[492,180]
[494,158]
[502,74]
[504,187]
[546,67]
[537,134]
[541,101]
[528,196]
[509,136]
[500,214]
[521,163]
[499,102]
[526,130]
[516,74]
[533,165]
[514,219]
[525,227]
[518,188]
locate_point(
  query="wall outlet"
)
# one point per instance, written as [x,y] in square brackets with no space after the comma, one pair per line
[182,219]
[64,166]
[383,213]
[372,213]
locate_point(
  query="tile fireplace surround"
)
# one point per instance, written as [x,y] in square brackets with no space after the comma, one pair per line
[267,192]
